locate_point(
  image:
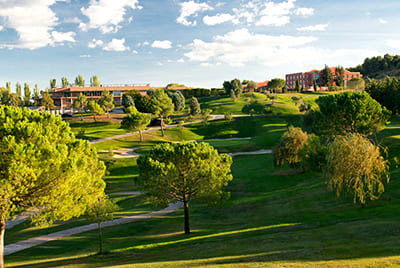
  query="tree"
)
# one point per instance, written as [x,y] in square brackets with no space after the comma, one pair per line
[80,103]
[102,210]
[355,165]
[79,81]
[188,170]
[36,95]
[162,106]
[43,166]
[178,99]
[315,86]
[27,95]
[237,87]
[326,77]
[297,88]
[251,86]
[64,82]
[349,112]
[53,83]
[8,86]
[94,81]
[194,106]
[106,101]
[136,122]
[288,149]
[18,90]
[339,76]
[47,101]
[94,108]
[356,83]
[205,114]
[142,102]
[276,84]
[228,87]
[127,101]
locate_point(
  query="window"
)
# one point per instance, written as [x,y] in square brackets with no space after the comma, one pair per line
[67,94]
[116,93]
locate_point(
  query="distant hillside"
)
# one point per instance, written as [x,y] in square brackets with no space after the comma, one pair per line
[379,67]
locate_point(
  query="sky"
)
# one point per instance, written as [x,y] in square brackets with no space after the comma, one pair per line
[198,43]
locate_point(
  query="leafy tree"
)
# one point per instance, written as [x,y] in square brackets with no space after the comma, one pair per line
[79,81]
[94,108]
[297,88]
[326,77]
[356,83]
[313,153]
[127,101]
[237,87]
[356,165]
[178,99]
[339,79]
[251,86]
[162,106]
[253,107]
[276,84]
[36,95]
[102,210]
[94,81]
[349,112]
[8,86]
[175,85]
[205,114]
[18,90]
[233,95]
[142,102]
[64,82]
[136,122]
[228,117]
[194,106]
[53,83]
[228,87]
[106,101]
[44,166]
[288,149]
[80,104]
[131,110]
[188,170]
[47,101]
[27,95]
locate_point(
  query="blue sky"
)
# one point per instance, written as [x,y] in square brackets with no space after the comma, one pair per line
[197,42]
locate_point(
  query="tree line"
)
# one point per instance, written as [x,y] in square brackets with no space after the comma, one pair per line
[373,67]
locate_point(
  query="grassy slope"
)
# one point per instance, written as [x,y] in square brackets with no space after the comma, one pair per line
[273,218]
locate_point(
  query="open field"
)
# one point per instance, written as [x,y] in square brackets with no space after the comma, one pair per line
[276,217]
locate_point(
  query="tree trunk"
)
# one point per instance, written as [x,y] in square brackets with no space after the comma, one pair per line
[2,230]
[141,135]
[100,239]
[162,127]
[186,208]
[94,116]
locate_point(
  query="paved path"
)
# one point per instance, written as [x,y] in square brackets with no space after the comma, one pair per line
[20,218]
[21,245]
[262,151]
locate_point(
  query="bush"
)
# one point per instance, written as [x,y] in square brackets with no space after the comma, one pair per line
[313,154]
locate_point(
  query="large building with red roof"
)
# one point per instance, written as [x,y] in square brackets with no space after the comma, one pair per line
[306,79]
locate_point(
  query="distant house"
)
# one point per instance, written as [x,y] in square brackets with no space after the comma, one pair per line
[306,79]
[262,86]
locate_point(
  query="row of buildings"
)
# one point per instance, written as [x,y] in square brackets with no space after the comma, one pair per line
[64,97]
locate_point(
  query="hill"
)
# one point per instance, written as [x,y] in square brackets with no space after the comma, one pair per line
[379,67]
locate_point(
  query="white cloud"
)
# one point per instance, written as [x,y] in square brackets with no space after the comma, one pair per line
[313,28]
[240,47]
[218,19]
[135,52]
[220,4]
[62,37]
[306,12]
[393,43]
[72,20]
[382,21]
[95,43]
[180,60]
[106,15]
[85,56]
[1,28]
[34,22]
[160,64]
[189,9]
[166,44]
[116,45]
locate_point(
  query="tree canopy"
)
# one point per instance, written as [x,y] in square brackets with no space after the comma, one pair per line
[188,170]
[44,166]
[94,108]
[276,83]
[162,106]
[80,103]
[349,112]
[178,99]
[106,101]
[194,106]
[136,122]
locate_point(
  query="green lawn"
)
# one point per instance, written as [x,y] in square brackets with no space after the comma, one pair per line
[276,217]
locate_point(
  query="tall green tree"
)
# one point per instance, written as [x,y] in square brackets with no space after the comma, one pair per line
[227,87]
[356,165]
[339,76]
[349,112]
[194,106]
[47,101]
[94,81]
[326,77]
[106,101]
[18,90]
[188,171]
[27,95]
[136,122]
[237,87]
[276,84]
[79,81]
[178,99]
[162,106]
[251,86]
[64,82]
[53,83]
[80,104]
[36,95]
[8,86]
[43,166]
[94,108]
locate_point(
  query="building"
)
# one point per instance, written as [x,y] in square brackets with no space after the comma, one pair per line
[262,86]
[306,79]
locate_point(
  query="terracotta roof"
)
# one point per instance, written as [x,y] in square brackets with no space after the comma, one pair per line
[263,84]
[80,89]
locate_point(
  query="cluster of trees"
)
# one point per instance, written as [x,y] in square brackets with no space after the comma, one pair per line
[79,81]
[17,99]
[202,92]
[340,144]
[372,67]
[233,88]
[386,92]
[333,81]
[104,104]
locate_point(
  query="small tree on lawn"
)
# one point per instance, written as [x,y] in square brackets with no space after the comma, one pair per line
[188,170]
[47,101]
[136,122]
[80,104]
[194,106]
[94,108]
[106,101]
[206,116]
[356,165]
[162,106]
[100,211]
